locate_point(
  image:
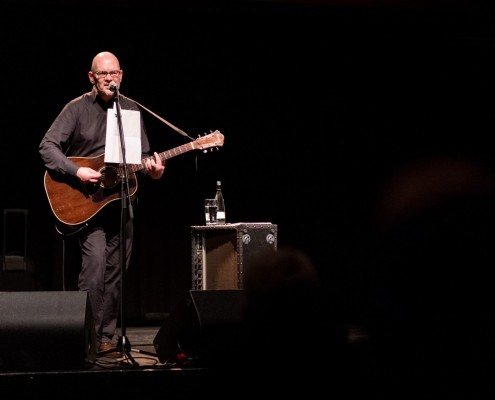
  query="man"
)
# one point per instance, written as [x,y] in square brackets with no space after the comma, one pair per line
[80,131]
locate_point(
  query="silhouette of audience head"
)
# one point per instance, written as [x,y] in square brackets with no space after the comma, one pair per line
[288,335]
[281,288]
[432,257]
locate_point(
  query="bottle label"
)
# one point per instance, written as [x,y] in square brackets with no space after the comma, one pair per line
[221,216]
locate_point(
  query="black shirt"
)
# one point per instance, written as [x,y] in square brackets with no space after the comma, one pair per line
[80,131]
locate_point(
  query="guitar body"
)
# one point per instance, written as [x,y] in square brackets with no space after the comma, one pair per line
[73,202]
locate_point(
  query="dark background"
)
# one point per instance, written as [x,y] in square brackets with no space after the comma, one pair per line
[318,102]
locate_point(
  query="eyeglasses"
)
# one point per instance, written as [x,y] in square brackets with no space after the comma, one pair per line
[103,74]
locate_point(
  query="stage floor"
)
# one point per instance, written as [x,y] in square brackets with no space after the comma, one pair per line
[139,373]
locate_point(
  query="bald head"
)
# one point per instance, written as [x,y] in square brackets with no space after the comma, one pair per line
[105,71]
[102,59]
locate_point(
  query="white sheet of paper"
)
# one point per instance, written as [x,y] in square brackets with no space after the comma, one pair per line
[131,124]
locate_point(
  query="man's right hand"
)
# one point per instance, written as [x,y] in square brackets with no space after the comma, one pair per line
[86,174]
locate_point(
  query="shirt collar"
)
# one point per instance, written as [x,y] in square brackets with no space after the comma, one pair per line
[93,94]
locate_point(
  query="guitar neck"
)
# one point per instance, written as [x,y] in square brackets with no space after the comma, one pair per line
[165,155]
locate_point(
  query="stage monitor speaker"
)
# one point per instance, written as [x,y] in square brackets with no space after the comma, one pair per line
[42,331]
[206,325]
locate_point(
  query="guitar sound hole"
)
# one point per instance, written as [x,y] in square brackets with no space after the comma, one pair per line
[109,177]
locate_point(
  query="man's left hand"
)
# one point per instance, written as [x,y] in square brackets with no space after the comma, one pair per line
[155,166]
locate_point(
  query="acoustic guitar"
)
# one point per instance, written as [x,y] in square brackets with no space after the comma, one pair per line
[74,203]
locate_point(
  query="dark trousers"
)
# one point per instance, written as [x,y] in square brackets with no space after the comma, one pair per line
[100,273]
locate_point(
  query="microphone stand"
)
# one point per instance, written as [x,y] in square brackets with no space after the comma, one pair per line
[123,344]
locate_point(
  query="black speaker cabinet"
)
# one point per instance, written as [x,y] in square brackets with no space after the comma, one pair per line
[221,253]
[41,331]
[206,325]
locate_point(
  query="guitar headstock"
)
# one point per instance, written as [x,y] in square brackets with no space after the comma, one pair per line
[214,139]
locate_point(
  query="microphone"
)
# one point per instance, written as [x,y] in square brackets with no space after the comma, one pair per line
[113,87]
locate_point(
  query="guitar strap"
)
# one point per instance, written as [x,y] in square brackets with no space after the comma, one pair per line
[164,120]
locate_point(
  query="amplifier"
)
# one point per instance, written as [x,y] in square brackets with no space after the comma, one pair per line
[221,253]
